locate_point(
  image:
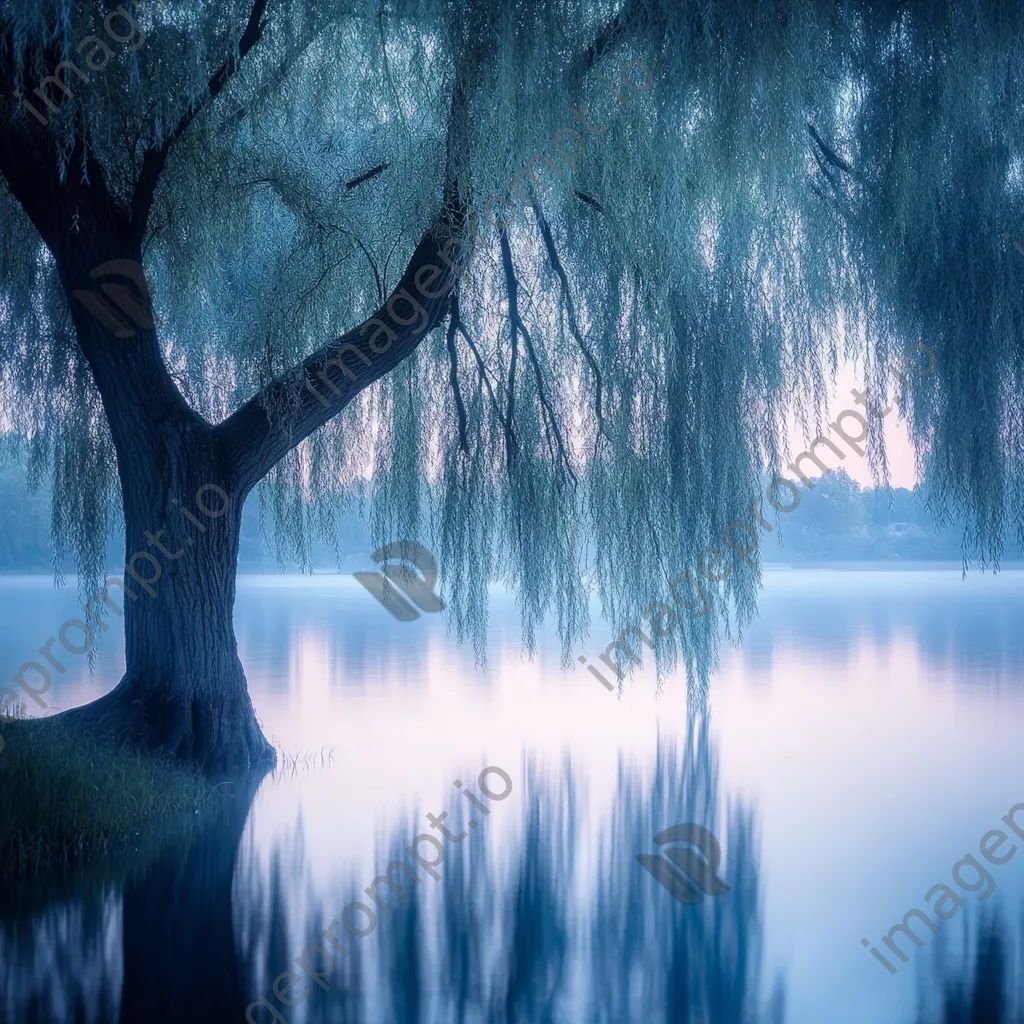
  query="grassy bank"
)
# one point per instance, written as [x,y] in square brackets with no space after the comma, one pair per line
[66,798]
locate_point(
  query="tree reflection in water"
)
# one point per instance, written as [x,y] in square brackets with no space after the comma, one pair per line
[993,993]
[532,921]
[554,929]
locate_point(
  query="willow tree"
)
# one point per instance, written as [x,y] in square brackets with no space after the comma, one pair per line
[682,215]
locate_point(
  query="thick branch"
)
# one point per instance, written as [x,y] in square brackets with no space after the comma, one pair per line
[309,394]
[155,159]
[291,407]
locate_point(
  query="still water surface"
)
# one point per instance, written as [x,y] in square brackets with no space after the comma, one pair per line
[863,739]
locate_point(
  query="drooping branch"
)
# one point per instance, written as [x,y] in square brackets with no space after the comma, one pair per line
[289,198]
[550,422]
[289,408]
[453,367]
[570,309]
[482,368]
[155,158]
[512,291]
[517,327]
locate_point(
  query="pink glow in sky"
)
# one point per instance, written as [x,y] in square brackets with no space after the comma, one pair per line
[897,440]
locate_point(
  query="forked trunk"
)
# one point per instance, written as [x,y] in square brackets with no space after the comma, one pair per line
[184,692]
[183,480]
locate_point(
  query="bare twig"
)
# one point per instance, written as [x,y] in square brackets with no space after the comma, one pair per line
[366,177]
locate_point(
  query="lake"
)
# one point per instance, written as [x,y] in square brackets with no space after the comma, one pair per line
[862,740]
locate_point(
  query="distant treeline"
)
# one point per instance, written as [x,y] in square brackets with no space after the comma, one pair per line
[837,521]
[25,535]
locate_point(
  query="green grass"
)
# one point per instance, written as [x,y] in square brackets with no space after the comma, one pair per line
[68,798]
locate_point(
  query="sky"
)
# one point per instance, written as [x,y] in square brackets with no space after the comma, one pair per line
[897,439]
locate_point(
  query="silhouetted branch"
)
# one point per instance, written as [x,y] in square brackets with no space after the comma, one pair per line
[589,200]
[482,368]
[830,155]
[546,407]
[366,177]
[512,290]
[453,367]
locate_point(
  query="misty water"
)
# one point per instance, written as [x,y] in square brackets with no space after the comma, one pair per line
[863,738]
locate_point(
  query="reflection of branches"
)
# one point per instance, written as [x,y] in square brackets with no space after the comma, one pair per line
[513,945]
[987,994]
[700,963]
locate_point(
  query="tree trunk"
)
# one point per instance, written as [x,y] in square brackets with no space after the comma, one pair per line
[184,691]
[183,480]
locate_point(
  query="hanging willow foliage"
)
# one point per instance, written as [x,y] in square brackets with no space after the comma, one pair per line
[795,183]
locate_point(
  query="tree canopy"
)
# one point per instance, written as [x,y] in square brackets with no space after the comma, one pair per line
[714,204]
